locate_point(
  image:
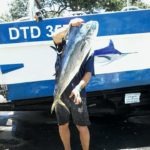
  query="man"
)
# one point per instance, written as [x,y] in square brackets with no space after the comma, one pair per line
[74,96]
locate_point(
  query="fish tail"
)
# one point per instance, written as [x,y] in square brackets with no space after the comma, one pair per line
[58,101]
[63,104]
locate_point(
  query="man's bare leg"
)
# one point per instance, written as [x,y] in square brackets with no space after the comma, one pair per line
[84,136]
[64,133]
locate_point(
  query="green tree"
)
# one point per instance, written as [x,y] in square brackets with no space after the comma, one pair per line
[112,5]
[18,9]
[88,5]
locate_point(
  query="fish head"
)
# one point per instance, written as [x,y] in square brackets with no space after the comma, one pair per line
[89,29]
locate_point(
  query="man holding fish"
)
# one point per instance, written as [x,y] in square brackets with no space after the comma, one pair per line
[74,68]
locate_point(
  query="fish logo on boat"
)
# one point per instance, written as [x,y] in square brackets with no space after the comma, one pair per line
[108,54]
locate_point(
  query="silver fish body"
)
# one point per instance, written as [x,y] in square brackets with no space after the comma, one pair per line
[77,48]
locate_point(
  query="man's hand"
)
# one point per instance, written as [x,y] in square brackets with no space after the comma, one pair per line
[76,91]
[76,22]
[76,94]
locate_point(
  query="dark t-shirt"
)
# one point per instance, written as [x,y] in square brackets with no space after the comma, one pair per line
[87,66]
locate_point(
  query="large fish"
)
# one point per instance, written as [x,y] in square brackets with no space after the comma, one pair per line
[79,45]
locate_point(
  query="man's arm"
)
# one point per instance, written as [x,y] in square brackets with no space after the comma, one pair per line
[60,34]
[76,91]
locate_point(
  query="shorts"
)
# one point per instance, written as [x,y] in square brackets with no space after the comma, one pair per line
[79,113]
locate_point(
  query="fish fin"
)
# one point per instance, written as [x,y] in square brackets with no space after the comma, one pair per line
[53,106]
[63,104]
[107,57]
[54,48]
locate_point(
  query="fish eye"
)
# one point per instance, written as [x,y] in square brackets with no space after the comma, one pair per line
[87,26]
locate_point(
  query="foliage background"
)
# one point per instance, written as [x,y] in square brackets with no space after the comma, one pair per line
[19,8]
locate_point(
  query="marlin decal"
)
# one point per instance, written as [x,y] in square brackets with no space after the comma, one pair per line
[109,54]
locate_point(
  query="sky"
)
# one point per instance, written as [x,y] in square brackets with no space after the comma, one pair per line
[146,1]
[4,6]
